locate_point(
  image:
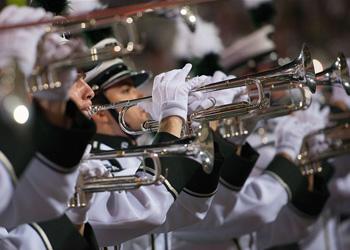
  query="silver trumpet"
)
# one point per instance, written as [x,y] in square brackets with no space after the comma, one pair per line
[45,77]
[199,148]
[335,75]
[325,143]
[299,74]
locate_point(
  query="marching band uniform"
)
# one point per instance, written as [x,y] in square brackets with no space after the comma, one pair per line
[255,205]
[40,160]
[56,162]
[110,213]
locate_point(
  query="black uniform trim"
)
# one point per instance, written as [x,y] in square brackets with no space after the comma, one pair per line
[115,142]
[64,147]
[236,169]
[199,195]
[52,165]
[205,185]
[312,203]
[177,170]
[229,186]
[287,173]
[42,235]
[62,235]
[305,202]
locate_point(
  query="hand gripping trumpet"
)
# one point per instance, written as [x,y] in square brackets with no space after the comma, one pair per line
[199,148]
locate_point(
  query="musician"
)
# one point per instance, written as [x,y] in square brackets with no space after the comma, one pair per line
[331,230]
[255,205]
[110,212]
[39,160]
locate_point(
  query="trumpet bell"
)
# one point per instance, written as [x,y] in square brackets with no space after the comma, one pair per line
[323,144]
[336,74]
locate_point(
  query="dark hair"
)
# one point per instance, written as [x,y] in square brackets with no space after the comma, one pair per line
[58,7]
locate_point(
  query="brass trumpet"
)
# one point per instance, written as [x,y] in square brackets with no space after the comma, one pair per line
[199,148]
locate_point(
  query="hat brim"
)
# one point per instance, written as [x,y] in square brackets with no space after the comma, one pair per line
[138,78]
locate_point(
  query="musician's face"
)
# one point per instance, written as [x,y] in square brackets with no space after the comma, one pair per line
[125,90]
[81,94]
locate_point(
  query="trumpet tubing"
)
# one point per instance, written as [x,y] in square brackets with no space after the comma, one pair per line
[335,142]
[199,148]
[336,75]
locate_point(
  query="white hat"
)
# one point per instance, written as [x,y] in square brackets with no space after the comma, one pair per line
[113,71]
[248,47]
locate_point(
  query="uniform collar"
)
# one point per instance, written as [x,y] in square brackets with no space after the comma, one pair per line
[115,142]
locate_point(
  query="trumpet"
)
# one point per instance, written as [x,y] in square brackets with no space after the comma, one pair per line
[323,144]
[336,74]
[294,99]
[299,74]
[199,147]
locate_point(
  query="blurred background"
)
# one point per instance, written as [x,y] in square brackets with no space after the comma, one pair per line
[322,24]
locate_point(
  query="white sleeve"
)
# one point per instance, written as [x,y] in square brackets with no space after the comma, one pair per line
[41,194]
[6,187]
[340,194]
[186,210]
[233,214]
[120,216]
[23,237]
[289,227]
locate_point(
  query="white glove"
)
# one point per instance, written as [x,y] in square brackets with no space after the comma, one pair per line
[21,44]
[87,170]
[226,96]
[56,48]
[291,130]
[201,100]
[170,94]
[318,144]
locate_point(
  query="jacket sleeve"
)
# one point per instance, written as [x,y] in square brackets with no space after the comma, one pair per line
[120,216]
[277,233]
[6,186]
[50,176]
[233,213]
[23,237]
[194,201]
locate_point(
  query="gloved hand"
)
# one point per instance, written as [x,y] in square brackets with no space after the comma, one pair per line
[291,130]
[21,44]
[318,144]
[87,169]
[201,100]
[55,48]
[170,94]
